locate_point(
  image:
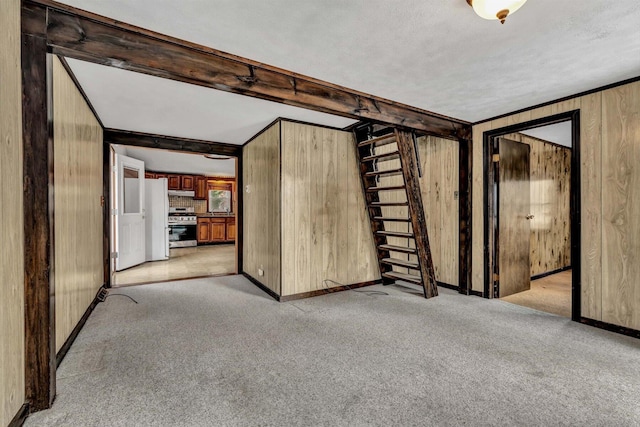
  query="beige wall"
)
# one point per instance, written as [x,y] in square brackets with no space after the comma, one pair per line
[326,233]
[261,207]
[77,179]
[11,216]
[550,184]
[609,176]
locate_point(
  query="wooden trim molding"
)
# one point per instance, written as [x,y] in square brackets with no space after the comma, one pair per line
[90,37]
[550,273]
[259,284]
[610,327]
[329,290]
[37,130]
[74,333]
[464,215]
[20,416]
[162,142]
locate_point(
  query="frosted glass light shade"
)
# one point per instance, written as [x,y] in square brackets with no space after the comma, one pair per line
[494,9]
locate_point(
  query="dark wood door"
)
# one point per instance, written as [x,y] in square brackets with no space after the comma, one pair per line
[513,218]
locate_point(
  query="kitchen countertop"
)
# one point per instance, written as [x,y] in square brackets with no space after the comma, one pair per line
[215,215]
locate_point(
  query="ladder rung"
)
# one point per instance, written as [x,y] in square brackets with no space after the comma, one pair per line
[401,276]
[391,219]
[390,172]
[383,156]
[383,204]
[387,188]
[401,263]
[394,248]
[381,140]
[395,234]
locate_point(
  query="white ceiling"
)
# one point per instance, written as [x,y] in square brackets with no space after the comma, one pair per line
[433,54]
[171,161]
[559,133]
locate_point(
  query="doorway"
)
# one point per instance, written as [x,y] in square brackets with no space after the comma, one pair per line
[189,203]
[532,228]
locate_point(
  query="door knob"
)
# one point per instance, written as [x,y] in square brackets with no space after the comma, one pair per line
[529,216]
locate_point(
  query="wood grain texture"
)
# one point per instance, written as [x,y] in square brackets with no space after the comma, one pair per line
[438,184]
[325,228]
[477,210]
[513,202]
[12,385]
[77,203]
[550,190]
[621,206]
[261,208]
[591,188]
[90,37]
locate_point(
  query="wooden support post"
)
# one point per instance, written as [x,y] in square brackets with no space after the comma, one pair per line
[464,209]
[40,354]
[408,160]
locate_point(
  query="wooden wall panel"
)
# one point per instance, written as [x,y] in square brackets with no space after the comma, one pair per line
[325,230]
[550,179]
[77,204]
[439,184]
[11,216]
[261,207]
[591,189]
[621,206]
[609,129]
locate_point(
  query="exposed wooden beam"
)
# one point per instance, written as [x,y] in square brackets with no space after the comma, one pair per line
[147,140]
[464,214]
[37,134]
[86,36]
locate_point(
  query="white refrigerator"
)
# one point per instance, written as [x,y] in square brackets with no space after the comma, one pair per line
[157,218]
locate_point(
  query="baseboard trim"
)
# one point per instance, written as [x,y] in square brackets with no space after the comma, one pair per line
[329,290]
[476,293]
[448,286]
[261,286]
[20,417]
[610,327]
[549,273]
[74,334]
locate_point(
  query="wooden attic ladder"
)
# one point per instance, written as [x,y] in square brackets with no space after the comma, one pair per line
[388,169]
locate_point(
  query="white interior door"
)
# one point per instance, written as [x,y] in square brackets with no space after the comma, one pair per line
[129,212]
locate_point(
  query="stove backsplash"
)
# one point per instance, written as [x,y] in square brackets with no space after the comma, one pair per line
[200,206]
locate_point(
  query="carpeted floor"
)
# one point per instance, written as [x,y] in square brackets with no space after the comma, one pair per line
[219,352]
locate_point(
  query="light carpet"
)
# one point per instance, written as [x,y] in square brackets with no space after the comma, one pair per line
[220,352]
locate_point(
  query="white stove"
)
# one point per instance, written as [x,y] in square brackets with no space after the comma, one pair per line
[182,227]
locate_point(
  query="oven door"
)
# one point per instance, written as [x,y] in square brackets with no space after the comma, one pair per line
[182,235]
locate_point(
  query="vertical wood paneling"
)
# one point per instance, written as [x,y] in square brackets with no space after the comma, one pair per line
[621,206]
[77,204]
[325,232]
[11,216]
[439,183]
[591,189]
[477,208]
[261,207]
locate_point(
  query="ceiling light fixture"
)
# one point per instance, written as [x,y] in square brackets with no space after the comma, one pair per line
[495,9]
[216,157]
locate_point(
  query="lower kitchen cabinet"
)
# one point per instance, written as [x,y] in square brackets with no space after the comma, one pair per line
[216,230]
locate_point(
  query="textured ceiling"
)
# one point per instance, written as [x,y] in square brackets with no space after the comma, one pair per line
[433,54]
[559,133]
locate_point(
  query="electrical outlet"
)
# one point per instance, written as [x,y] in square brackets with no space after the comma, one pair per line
[260,272]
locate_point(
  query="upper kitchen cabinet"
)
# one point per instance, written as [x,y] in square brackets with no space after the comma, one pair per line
[200,188]
[175,182]
[187,183]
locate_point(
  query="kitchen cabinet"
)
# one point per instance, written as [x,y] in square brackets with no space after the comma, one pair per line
[200,188]
[175,182]
[186,182]
[216,229]
[160,175]
[150,175]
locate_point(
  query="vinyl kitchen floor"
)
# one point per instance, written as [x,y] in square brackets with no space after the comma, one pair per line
[551,294]
[183,263]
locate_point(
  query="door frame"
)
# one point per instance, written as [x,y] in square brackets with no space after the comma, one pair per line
[169,143]
[490,219]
